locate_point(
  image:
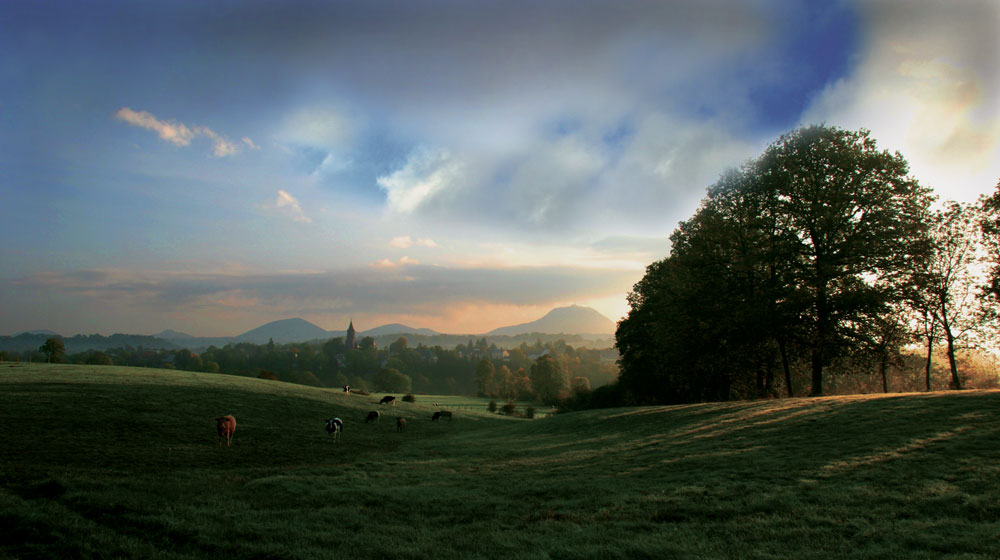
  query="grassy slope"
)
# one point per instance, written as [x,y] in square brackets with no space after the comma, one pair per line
[115,462]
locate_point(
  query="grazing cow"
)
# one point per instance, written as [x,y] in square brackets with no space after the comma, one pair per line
[347,389]
[373,416]
[388,399]
[441,414]
[226,426]
[334,427]
[400,424]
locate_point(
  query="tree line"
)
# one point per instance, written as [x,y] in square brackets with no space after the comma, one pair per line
[544,371]
[821,255]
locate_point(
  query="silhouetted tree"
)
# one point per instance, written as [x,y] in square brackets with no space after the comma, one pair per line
[53,349]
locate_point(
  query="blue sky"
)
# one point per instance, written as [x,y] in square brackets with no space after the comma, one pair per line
[461,166]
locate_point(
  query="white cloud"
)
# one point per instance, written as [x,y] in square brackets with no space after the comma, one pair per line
[178,133]
[250,144]
[321,128]
[389,263]
[923,91]
[426,174]
[405,242]
[173,132]
[289,206]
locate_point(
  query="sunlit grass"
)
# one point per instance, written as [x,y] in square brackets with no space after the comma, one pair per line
[118,462]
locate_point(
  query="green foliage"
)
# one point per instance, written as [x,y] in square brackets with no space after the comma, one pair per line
[794,254]
[529,412]
[98,359]
[492,406]
[398,346]
[989,223]
[485,382]
[53,349]
[391,380]
[508,409]
[549,380]
[359,385]
[409,398]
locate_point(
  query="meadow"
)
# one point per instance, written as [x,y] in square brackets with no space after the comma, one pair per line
[112,462]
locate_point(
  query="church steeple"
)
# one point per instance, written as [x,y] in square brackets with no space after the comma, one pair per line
[349,341]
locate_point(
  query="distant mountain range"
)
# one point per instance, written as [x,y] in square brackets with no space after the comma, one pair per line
[576,322]
[563,320]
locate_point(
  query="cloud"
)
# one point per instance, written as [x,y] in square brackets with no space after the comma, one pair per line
[289,206]
[323,138]
[405,242]
[173,132]
[250,144]
[405,288]
[426,174]
[928,86]
[389,263]
[177,133]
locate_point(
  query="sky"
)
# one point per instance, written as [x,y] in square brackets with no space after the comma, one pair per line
[209,167]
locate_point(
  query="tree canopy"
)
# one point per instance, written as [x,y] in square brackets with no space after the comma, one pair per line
[798,249]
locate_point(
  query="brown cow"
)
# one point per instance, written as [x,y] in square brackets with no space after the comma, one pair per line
[400,424]
[226,426]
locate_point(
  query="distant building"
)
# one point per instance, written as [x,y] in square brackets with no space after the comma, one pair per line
[350,343]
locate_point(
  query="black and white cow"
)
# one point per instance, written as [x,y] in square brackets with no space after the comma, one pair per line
[388,399]
[373,416]
[334,427]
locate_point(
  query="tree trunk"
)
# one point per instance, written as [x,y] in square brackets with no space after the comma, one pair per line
[930,350]
[956,383]
[882,367]
[817,373]
[785,367]
[819,346]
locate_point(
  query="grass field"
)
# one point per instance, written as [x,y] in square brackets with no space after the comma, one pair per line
[468,404]
[106,462]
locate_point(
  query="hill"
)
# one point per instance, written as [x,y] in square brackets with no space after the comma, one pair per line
[563,320]
[396,328]
[283,331]
[169,334]
[140,475]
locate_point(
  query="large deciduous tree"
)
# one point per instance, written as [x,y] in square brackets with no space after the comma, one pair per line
[54,349]
[799,249]
[990,227]
[948,281]
[549,380]
[485,382]
[857,219]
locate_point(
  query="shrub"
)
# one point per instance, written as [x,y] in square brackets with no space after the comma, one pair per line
[492,407]
[409,398]
[529,412]
[508,409]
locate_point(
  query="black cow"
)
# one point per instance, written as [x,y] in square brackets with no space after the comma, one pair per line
[388,399]
[373,416]
[441,414]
